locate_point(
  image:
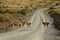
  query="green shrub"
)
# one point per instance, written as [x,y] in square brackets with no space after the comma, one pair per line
[1,19]
[22,11]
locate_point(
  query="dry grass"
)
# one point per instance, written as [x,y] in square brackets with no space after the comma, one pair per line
[23,3]
[57,10]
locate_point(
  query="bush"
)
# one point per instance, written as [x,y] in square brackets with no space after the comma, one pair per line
[54,14]
[56,17]
[2,10]
[51,8]
[1,19]
[22,11]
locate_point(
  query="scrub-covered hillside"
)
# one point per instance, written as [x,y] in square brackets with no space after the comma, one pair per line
[11,11]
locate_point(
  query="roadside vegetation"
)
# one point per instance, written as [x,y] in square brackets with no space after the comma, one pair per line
[55,14]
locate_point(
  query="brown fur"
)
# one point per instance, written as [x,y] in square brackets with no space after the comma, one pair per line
[45,24]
